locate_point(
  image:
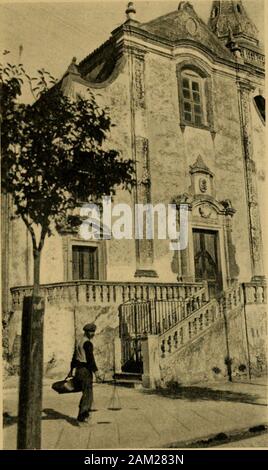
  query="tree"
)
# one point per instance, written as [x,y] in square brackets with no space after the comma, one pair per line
[55,154]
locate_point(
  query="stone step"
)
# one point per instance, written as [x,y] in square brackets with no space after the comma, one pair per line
[127,376]
[126,383]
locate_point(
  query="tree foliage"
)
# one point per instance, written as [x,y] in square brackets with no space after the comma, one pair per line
[55,152]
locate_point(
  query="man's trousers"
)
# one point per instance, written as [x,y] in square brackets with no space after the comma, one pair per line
[84,379]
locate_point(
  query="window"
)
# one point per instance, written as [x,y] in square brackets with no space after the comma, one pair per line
[195,95]
[238,8]
[192,99]
[85,262]
[260,106]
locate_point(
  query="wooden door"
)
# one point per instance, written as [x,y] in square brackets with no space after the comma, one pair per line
[206,259]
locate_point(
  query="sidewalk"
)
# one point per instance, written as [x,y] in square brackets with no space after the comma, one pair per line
[145,419]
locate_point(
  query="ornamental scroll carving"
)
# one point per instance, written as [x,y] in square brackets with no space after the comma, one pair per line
[139,68]
[142,149]
[252,195]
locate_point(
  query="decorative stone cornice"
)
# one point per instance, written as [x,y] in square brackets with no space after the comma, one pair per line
[229,210]
[205,203]
[185,199]
[245,85]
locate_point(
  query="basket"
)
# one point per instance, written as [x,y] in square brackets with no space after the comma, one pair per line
[67,385]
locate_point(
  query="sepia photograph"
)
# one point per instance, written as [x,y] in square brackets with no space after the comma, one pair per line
[133,227]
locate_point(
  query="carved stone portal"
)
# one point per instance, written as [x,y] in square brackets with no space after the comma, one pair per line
[209,215]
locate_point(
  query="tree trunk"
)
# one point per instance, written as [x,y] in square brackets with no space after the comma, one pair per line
[31,374]
[31,366]
[36,274]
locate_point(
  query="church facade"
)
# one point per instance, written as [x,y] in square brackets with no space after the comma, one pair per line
[187,101]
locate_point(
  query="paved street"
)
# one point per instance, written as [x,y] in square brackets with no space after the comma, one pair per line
[146,419]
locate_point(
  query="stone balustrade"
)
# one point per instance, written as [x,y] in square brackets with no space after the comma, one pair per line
[252,56]
[231,298]
[195,322]
[189,328]
[103,292]
[255,292]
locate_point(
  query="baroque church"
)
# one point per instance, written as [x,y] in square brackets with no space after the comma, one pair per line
[187,101]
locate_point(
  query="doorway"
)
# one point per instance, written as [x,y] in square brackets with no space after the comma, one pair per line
[207,259]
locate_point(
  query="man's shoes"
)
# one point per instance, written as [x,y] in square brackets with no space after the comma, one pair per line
[83,422]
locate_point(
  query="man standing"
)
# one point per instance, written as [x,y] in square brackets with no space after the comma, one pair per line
[84,364]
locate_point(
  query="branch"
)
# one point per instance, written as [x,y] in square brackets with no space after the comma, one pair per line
[30,85]
[31,230]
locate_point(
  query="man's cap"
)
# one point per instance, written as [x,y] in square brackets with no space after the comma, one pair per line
[90,327]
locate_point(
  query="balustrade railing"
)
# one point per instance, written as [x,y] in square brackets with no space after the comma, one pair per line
[83,292]
[198,321]
[189,328]
[255,292]
[252,56]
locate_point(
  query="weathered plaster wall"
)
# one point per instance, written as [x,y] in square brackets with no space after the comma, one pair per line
[256,320]
[106,319]
[121,263]
[52,260]
[20,246]
[196,361]
[63,323]
[173,150]
[166,148]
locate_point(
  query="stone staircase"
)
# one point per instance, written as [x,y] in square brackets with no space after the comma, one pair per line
[139,318]
[180,325]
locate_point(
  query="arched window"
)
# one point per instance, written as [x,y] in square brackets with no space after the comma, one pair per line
[195,95]
[238,8]
[193,98]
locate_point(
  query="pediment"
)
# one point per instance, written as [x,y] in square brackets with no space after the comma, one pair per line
[185,25]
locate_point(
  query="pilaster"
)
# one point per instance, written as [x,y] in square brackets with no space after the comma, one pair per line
[140,151]
[256,246]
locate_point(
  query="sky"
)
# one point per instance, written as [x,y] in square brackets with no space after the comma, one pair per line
[51,33]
